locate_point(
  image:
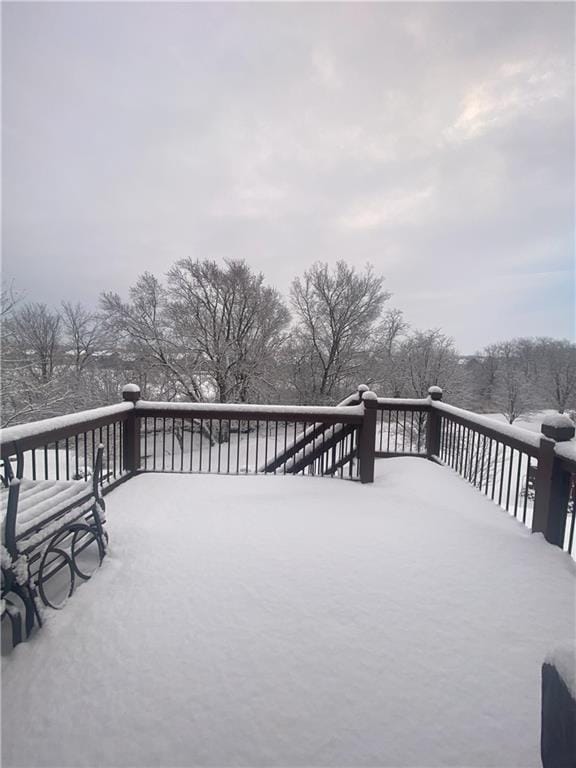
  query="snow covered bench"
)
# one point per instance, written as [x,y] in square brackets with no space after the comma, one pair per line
[52,534]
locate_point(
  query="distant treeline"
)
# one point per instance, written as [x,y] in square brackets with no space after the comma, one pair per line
[217,332]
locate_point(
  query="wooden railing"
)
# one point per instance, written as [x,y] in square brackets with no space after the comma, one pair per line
[529,475]
[64,448]
[239,439]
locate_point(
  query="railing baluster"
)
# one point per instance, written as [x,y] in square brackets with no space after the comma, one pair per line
[145,424]
[489,466]
[173,442]
[573,516]
[201,441]
[483,460]
[495,470]
[526,487]
[518,484]
[121,448]
[154,442]
[192,427]
[85,444]
[229,440]
[163,443]
[113,449]
[182,436]
[419,445]
[108,452]
[502,472]
[219,442]
[210,443]
[257,441]
[509,488]
[238,447]
[57,459]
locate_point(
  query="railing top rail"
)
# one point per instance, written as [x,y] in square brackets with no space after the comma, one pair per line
[404,403]
[36,434]
[567,452]
[507,433]
[245,412]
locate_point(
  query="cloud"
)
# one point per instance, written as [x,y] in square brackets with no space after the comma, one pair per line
[521,87]
[389,211]
[429,139]
[258,200]
[325,68]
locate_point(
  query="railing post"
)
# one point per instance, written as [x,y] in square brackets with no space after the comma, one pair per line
[367,438]
[552,491]
[433,425]
[361,389]
[131,431]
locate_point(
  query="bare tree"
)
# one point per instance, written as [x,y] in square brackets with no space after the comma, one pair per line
[83,334]
[426,358]
[336,311]
[512,392]
[9,298]
[36,332]
[33,384]
[230,319]
[557,371]
[146,324]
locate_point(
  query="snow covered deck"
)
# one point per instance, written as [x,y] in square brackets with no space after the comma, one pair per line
[295,621]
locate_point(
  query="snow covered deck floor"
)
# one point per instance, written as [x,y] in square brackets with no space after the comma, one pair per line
[287,621]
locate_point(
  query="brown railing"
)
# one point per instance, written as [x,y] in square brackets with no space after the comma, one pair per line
[529,475]
[401,427]
[64,448]
[239,439]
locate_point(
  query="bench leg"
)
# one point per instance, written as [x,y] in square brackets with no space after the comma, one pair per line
[15,619]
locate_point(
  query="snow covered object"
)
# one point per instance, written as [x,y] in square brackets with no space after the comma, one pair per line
[52,534]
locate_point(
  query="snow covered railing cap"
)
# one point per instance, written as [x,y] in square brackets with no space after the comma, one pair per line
[435,393]
[362,388]
[370,399]
[558,426]
[131,392]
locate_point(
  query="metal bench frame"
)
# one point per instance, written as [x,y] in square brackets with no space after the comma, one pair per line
[27,565]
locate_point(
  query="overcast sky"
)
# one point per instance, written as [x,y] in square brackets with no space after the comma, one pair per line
[434,140]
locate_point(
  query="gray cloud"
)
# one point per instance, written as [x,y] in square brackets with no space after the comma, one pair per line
[434,140]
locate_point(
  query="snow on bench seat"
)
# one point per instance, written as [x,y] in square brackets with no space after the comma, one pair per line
[41,500]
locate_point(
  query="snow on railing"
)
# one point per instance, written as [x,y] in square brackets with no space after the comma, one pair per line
[529,475]
[237,438]
[64,447]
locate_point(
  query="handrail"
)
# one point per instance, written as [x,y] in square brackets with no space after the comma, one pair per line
[505,462]
[244,412]
[566,452]
[515,437]
[403,403]
[36,434]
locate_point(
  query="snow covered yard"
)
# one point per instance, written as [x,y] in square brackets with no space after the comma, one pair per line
[297,621]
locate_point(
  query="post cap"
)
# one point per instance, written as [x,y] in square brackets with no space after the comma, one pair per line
[435,392]
[370,398]
[558,427]
[131,392]
[363,388]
